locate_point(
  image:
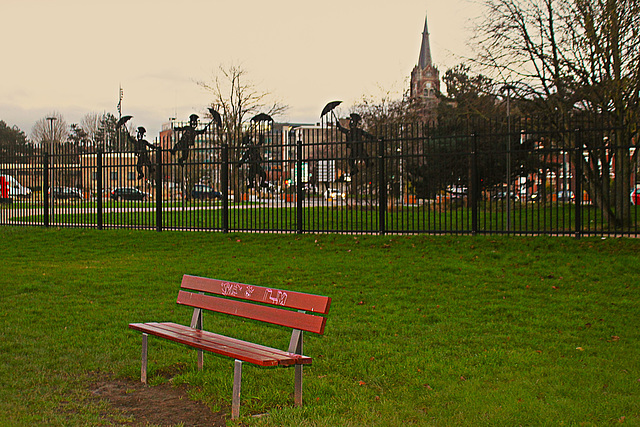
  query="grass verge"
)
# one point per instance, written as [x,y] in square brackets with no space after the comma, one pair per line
[422,330]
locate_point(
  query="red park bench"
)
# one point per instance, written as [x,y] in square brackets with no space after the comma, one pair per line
[296,310]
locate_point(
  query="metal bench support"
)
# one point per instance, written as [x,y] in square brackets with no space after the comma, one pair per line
[143,370]
[237,380]
[295,346]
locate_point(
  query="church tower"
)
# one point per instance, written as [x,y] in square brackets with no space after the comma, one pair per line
[425,78]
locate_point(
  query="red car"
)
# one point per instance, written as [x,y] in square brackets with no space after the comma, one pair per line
[635,197]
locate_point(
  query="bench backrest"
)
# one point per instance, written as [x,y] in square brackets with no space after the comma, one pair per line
[295,310]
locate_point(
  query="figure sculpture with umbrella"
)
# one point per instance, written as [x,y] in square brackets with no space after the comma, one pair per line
[356,137]
[252,155]
[189,134]
[140,147]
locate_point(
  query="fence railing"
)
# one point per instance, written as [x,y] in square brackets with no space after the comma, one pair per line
[409,178]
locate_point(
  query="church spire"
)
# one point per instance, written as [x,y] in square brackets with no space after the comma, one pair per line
[425,79]
[425,50]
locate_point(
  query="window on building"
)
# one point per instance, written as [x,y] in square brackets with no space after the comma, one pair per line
[113,175]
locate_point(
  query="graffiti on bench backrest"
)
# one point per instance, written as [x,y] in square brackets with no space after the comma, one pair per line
[275,297]
[236,289]
[279,299]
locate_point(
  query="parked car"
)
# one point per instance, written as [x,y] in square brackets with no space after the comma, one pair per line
[502,195]
[65,193]
[128,193]
[457,194]
[566,196]
[15,189]
[202,192]
[332,193]
[635,197]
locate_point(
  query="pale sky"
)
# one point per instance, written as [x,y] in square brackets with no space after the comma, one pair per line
[71,56]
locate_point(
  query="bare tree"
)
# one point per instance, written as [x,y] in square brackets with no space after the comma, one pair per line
[572,57]
[90,123]
[237,98]
[41,133]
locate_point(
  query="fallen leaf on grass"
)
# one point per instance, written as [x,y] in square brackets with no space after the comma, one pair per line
[361,383]
[580,348]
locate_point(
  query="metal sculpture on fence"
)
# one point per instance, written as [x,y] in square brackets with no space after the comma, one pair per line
[251,155]
[187,139]
[356,137]
[189,134]
[140,148]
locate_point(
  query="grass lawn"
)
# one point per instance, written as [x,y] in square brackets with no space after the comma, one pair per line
[422,330]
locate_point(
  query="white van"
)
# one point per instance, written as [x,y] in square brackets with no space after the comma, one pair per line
[16,190]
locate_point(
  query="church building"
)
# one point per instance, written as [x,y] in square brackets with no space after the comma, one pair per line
[425,79]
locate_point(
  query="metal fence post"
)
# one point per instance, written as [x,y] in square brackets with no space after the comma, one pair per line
[382,189]
[225,188]
[45,188]
[299,188]
[159,189]
[99,188]
[578,181]
[474,187]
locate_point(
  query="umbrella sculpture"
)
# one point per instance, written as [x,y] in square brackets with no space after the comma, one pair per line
[329,108]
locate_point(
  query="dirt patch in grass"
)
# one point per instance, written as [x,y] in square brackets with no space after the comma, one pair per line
[162,405]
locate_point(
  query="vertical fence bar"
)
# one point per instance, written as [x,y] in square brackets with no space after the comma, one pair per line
[578,184]
[159,185]
[45,188]
[99,189]
[225,188]
[299,188]
[382,189]
[474,190]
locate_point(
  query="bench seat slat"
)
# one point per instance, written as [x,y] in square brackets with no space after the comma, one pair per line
[276,316]
[284,357]
[220,344]
[297,300]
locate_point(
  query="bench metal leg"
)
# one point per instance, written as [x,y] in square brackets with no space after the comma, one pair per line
[297,396]
[143,369]
[295,346]
[237,380]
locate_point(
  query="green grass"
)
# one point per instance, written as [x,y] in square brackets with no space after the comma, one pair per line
[525,218]
[422,330]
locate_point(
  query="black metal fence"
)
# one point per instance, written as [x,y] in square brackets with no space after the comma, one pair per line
[521,176]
